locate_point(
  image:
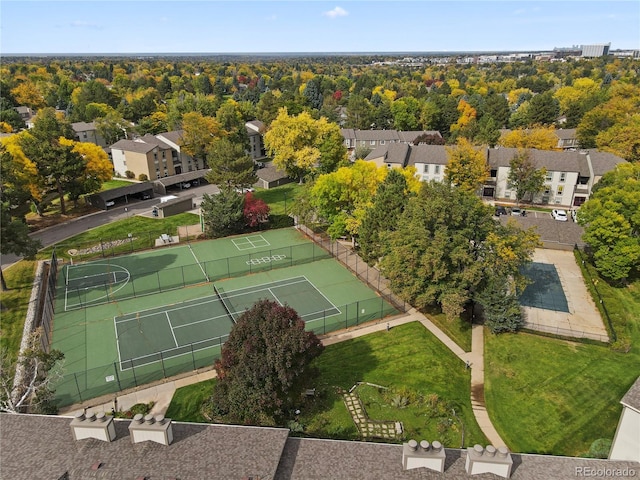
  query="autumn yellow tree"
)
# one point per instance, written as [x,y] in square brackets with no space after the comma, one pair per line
[300,144]
[541,138]
[467,115]
[467,166]
[27,93]
[199,133]
[97,168]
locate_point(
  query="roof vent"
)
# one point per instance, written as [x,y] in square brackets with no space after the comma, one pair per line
[423,455]
[488,460]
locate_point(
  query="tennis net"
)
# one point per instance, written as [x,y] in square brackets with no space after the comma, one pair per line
[224,304]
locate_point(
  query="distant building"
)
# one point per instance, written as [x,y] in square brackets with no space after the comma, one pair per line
[255,130]
[87,132]
[592,51]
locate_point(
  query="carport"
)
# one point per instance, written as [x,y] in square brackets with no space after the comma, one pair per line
[120,195]
[160,185]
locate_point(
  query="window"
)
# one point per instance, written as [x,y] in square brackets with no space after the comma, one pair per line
[388,165]
[549,177]
[436,169]
[560,189]
[426,169]
[155,156]
[547,190]
[494,173]
[164,154]
[381,142]
[563,176]
[363,143]
[372,142]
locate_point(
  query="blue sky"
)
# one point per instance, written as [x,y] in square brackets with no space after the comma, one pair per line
[205,26]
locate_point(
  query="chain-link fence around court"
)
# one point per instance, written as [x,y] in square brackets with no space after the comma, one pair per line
[118,376]
[111,281]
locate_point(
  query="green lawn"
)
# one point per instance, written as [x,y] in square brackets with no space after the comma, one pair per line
[409,361]
[144,231]
[547,395]
[186,402]
[15,302]
[459,330]
[280,199]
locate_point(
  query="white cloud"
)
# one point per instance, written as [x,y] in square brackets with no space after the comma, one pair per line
[336,12]
[83,24]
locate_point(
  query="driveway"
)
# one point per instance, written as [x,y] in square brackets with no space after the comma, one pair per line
[62,231]
[551,231]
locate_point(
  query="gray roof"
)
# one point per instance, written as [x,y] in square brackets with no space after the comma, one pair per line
[139,146]
[83,126]
[395,153]
[566,133]
[182,177]
[270,173]
[174,136]
[42,447]
[114,193]
[550,159]
[254,126]
[348,133]
[431,154]
[175,201]
[632,398]
[377,135]
[604,162]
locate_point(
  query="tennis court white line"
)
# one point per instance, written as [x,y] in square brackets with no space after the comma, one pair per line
[320,292]
[274,296]
[159,310]
[198,262]
[262,287]
[200,321]
[321,311]
[171,328]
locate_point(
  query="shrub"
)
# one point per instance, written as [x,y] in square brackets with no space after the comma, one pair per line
[129,174]
[143,177]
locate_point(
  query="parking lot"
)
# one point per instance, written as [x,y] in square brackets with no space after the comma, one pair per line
[553,233]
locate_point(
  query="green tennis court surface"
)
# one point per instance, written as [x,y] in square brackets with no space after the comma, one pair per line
[173,330]
[134,275]
[545,290]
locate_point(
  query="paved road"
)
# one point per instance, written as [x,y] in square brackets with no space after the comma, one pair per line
[62,231]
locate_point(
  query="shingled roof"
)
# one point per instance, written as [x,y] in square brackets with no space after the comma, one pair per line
[42,447]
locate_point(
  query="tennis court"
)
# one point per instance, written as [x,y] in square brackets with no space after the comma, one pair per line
[134,275]
[545,290]
[158,334]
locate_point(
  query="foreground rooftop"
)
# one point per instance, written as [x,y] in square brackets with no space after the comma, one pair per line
[43,447]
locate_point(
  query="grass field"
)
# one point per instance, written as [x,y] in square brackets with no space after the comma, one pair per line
[407,359]
[111,184]
[187,401]
[547,395]
[15,302]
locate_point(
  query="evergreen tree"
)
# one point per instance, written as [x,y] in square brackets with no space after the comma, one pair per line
[382,217]
[223,213]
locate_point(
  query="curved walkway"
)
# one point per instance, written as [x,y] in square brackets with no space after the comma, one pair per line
[162,393]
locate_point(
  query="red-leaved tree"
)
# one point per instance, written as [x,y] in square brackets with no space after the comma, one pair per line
[264,366]
[256,211]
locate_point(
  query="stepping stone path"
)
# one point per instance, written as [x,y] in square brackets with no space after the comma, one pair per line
[370,428]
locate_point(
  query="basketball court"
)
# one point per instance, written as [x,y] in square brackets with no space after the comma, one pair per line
[557,300]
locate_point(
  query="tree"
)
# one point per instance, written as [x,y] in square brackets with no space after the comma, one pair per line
[447,247]
[57,164]
[265,365]
[501,309]
[112,127]
[223,213]
[199,132]
[622,139]
[524,176]
[342,196]
[256,211]
[540,138]
[26,385]
[382,217]
[467,167]
[299,144]
[231,167]
[14,238]
[543,109]
[611,218]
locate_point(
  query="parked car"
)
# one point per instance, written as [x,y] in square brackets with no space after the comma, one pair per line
[560,215]
[500,211]
[516,212]
[109,203]
[186,185]
[245,190]
[145,196]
